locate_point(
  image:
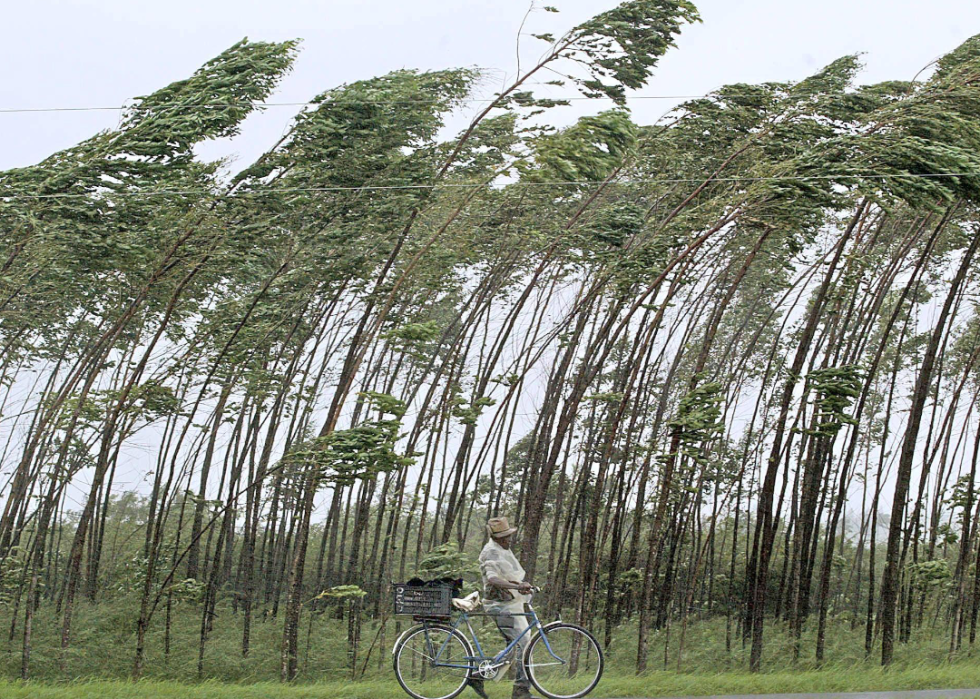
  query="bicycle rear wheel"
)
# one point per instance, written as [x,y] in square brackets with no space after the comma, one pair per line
[432,662]
[563,661]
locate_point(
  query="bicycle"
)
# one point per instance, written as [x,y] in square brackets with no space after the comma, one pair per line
[434,659]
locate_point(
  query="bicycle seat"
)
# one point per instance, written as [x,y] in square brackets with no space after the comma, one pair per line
[470,603]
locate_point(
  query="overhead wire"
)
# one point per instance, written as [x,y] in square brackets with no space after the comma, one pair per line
[217,105]
[462,100]
[108,193]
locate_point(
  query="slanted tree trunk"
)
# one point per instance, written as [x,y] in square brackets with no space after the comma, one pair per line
[890,576]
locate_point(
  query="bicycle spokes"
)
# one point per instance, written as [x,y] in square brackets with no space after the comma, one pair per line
[564,661]
[432,663]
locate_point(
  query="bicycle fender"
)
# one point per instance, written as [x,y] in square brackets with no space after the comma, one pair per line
[399,639]
[404,633]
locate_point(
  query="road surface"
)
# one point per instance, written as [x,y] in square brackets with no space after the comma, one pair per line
[912,694]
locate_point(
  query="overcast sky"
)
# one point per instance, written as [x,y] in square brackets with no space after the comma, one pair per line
[85,53]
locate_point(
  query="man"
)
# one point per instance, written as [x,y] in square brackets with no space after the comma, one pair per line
[505,592]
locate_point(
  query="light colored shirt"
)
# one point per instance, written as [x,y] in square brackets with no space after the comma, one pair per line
[498,562]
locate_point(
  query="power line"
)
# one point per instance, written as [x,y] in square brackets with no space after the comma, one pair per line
[484,100]
[219,105]
[454,185]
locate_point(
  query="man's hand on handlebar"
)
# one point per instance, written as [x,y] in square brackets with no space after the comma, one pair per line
[525,588]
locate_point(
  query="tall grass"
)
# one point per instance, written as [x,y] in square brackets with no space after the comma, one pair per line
[99,660]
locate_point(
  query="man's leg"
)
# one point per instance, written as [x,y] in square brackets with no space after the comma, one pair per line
[476,684]
[511,627]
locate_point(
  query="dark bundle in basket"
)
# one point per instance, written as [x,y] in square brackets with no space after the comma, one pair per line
[426,598]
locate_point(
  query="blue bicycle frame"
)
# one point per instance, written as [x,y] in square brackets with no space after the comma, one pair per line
[463,617]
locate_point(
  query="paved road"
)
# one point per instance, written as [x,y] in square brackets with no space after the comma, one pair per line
[914,694]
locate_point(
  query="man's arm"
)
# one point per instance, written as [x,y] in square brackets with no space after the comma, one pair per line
[522,587]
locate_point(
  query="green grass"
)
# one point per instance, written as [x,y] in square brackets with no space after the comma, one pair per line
[99,661]
[658,684]
[669,684]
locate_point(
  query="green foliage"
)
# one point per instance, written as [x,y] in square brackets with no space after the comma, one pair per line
[469,413]
[105,658]
[629,582]
[237,79]
[835,389]
[187,590]
[342,593]
[411,333]
[385,404]
[376,131]
[617,224]
[624,44]
[606,397]
[131,577]
[927,575]
[361,452]
[586,152]
[962,496]
[697,419]
[13,569]
[415,339]
[447,561]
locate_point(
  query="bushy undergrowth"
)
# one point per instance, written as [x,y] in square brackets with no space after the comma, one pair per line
[103,640]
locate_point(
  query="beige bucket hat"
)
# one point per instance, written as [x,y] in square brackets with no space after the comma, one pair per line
[499,527]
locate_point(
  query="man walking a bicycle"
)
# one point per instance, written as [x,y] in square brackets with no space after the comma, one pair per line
[505,592]
[441,655]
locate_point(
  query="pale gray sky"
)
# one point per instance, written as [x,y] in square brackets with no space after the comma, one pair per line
[77,53]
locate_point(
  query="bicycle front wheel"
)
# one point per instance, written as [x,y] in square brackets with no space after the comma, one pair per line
[432,662]
[563,661]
